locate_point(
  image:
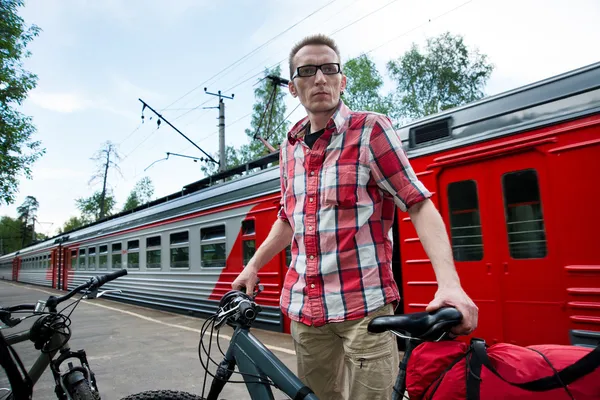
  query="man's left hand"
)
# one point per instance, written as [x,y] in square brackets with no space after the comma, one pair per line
[456,297]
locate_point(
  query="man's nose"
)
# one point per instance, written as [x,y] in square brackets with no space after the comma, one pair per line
[320,77]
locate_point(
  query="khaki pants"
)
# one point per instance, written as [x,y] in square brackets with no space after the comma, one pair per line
[343,361]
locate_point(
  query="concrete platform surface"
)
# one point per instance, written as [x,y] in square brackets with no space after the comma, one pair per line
[132,349]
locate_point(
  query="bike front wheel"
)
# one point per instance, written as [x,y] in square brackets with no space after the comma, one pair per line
[163,395]
[83,391]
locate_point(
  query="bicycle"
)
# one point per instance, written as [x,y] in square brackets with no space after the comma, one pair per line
[50,334]
[261,369]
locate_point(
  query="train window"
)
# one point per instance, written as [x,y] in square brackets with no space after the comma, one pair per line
[103,257]
[524,217]
[153,256]
[248,249]
[248,227]
[133,254]
[116,257]
[212,246]
[92,258]
[73,259]
[81,261]
[465,224]
[180,250]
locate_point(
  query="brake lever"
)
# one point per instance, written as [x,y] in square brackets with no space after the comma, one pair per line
[95,295]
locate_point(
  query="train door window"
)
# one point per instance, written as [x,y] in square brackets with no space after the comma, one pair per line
[133,254]
[212,246]
[465,223]
[92,258]
[81,260]
[524,216]
[248,240]
[180,250]
[103,257]
[153,256]
[73,259]
[116,257]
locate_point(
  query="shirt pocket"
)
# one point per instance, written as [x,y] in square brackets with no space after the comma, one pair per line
[339,186]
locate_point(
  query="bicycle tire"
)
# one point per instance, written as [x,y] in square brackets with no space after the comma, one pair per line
[83,391]
[163,395]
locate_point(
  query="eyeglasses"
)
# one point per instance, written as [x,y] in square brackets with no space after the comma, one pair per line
[311,70]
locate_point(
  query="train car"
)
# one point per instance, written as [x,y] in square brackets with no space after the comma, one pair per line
[510,177]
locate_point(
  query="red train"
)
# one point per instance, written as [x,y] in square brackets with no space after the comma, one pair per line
[514,176]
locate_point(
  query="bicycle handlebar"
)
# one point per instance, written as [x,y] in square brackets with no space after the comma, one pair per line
[94,282]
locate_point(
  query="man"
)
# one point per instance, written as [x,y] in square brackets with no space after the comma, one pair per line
[342,175]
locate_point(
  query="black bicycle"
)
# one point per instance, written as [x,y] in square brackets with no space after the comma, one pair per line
[50,334]
[261,369]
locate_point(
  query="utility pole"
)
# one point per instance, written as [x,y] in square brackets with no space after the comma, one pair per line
[222,155]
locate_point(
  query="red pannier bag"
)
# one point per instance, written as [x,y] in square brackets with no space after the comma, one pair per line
[453,370]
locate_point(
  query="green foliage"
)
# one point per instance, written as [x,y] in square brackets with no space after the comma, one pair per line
[18,151]
[233,160]
[27,216]
[72,223]
[11,235]
[363,83]
[90,207]
[141,194]
[446,75]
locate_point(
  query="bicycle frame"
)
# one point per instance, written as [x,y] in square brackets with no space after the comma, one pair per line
[248,353]
[46,360]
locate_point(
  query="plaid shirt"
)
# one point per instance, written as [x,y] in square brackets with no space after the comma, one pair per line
[340,198]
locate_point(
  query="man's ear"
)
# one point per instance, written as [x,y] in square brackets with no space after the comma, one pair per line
[292,89]
[343,84]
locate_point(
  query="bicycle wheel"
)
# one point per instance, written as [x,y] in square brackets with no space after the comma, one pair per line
[83,391]
[163,395]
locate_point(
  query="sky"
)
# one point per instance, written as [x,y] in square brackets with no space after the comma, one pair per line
[96,59]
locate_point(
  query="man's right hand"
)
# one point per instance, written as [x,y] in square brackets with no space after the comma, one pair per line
[246,279]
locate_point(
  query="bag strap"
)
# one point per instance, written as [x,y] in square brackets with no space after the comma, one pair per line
[568,375]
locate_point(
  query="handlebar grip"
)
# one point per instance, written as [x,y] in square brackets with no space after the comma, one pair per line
[110,277]
[247,310]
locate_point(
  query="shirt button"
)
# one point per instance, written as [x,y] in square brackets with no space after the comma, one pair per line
[312,172]
[312,257]
[311,199]
[310,228]
[312,286]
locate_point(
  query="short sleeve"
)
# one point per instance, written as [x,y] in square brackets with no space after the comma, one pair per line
[390,166]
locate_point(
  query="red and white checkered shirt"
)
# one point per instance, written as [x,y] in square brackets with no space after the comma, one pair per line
[339,198]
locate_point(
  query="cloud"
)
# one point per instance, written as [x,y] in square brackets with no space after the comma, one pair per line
[59,102]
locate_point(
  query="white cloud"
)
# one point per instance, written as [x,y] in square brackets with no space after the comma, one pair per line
[59,102]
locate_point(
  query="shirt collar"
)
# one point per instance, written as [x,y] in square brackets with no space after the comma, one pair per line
[337,120]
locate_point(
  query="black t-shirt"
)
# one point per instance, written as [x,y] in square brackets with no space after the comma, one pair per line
[311,138]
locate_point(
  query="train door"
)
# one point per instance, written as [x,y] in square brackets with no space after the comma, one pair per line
[534,310]
[505,263]
[463,196]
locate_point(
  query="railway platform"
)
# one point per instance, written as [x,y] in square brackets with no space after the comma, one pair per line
[132,348]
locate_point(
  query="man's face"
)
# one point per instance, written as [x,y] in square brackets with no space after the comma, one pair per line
[320,92]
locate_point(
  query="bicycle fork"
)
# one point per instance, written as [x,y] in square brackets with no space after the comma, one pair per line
[222,375]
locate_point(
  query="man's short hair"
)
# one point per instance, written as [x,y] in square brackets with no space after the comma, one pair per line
[318,39]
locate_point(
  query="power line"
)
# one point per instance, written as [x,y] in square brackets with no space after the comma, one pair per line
[252,52]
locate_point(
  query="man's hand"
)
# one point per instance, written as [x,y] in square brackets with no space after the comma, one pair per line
[456,297]
[247,278]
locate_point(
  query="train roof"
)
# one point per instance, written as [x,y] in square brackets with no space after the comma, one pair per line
[566,96]
[562,97]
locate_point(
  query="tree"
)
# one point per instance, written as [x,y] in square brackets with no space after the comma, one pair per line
[27,213]
[10,235]
[105,157]
[447,74]
[233,160]
[141,194]
[72,224]
[91,207]
[18,151]
[363,84]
